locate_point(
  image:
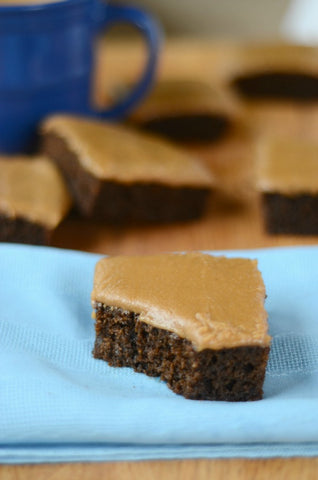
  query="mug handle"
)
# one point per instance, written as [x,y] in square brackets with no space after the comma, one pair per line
[112,14]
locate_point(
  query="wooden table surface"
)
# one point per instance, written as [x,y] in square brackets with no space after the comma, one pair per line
[232,221]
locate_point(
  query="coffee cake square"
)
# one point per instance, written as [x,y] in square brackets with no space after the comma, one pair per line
[196,321]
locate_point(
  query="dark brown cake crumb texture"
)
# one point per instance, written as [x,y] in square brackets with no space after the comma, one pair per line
[234,374]
[20,230]
[278,85]
[296,215]
[190,128]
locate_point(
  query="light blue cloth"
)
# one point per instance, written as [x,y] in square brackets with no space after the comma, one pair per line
[59,404]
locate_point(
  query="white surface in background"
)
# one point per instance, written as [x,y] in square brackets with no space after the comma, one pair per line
[301,21]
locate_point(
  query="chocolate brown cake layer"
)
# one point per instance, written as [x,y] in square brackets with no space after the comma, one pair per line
[117,202]
[302,87]
[231,374]
[20,230]
[188,127]
[294,214]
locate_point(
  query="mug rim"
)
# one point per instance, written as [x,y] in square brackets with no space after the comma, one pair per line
[40,6]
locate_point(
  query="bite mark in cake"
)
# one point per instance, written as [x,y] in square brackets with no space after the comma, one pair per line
[195,320]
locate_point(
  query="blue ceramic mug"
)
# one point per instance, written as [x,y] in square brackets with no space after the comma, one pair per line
[47,60]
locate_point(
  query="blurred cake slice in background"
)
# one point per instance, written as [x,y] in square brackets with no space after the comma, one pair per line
[187,111]
[274,71]
[117,174]
[33,199]
[287,176]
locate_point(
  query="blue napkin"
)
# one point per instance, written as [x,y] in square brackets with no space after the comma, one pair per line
[57,403]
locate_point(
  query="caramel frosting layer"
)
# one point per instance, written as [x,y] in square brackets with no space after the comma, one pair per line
[288,165]
[271,57]
[184,97]
[117,153]
[214,302]
[32,188]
